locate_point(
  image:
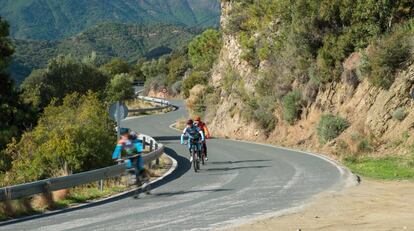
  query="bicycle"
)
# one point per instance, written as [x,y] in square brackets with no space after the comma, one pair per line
[142,178]
[203,154]
[195,154]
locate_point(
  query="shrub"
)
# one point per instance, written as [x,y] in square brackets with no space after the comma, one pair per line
[385,57]
[120,88]
[365,145]
[330,127]
[399,114]
[196,102]
[176,87]
[292,104]
[260,110]
[116,66]
[74,137]
[156,83]
[197,77]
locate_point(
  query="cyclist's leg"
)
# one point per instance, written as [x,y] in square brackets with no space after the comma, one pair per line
[205,148]
[199,150]
[189,150]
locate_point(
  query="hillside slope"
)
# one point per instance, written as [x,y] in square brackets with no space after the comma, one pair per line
[108,40]
[280,75]
[50,19]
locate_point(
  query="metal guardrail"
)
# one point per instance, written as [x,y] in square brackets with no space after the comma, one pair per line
[164,104]
[59,183]
[54,184]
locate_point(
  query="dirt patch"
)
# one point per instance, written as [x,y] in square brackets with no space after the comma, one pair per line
[373,205]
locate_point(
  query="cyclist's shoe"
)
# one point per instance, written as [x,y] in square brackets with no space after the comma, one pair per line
[131,171]
[144,185]
[191,159]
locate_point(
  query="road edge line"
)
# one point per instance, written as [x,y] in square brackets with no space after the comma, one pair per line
[348,178]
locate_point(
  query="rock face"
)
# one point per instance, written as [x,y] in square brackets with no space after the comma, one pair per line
[369,109]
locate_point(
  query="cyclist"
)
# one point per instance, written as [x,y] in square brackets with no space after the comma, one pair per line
[194,135]
[203,127]
[130,147]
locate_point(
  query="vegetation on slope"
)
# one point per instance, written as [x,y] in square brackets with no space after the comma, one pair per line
[52,20]
[109,40]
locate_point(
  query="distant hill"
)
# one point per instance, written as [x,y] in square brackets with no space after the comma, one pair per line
[53,20]
[108,40]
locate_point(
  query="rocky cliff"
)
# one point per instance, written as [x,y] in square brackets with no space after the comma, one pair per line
[381,120]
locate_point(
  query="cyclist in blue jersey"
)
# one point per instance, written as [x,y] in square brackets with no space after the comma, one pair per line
[194,134]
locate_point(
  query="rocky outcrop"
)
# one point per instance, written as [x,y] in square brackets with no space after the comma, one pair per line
[368,109]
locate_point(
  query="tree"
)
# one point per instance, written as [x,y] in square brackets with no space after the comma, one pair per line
[120,88]
[177,67]
[154,68]
[63,75]
[6,48]
[116,66]
[14,115]
[204,49]
[196,78]
[74,136]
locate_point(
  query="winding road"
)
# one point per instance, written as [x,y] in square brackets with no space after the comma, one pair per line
[240,182]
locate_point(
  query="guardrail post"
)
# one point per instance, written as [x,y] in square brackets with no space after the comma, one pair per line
[101,185]
[7,206]
[144,143]
[47,194]
[157,161]
[151,145]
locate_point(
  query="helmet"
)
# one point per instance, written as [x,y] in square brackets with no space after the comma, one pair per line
[198,118]
[124,131]
[190,122]
[133,135]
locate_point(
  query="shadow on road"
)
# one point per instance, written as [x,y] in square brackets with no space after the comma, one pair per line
[182,167]
[166,138]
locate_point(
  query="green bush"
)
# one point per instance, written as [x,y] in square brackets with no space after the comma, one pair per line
[204,49]
[120,88]
[196,77]
[116,66]
[330,127]
[260,110]
[365,145]
[292,105]
[399,114]
[385,57]
[73,137]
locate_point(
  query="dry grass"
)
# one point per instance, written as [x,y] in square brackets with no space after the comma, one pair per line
[69,197]
[180,124]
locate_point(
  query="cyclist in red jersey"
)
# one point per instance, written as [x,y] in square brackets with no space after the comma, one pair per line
[203,127]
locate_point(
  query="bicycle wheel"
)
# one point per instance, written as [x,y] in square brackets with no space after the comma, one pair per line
[203,156]
[198,160]
[195,160]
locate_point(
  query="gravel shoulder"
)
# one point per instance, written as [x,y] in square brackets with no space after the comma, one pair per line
[372,205]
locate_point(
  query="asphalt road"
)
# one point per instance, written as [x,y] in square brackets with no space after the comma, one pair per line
[241,181]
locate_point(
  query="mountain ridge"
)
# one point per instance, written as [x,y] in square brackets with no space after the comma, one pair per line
[51,20]
[108,40]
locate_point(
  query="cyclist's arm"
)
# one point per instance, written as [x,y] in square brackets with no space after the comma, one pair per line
[202,135]
[138,146]
[117,152]
[182,135]
[207,132]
